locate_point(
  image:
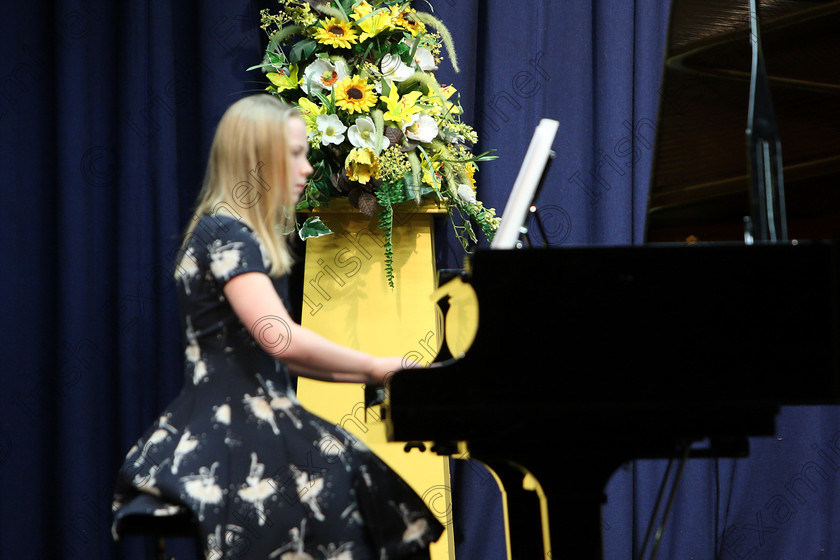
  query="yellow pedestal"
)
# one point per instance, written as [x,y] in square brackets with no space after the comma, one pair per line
[347,299]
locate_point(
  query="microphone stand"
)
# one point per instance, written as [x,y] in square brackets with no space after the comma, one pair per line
[768,220]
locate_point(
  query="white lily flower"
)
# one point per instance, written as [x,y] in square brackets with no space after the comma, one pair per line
[394,68]
[424,59]
[466,193]
[323,75]
[331,128]
[421,128]
[363,134]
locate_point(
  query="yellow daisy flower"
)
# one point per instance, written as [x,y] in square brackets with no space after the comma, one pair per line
[355,95]
[336,33]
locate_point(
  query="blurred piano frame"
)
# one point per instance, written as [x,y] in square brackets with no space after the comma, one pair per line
[721,333]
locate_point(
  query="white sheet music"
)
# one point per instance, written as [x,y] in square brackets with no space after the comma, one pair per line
[525,186]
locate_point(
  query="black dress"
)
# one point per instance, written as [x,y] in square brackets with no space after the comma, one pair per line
[235,454]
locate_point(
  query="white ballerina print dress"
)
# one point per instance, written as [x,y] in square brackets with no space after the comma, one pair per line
[236,458]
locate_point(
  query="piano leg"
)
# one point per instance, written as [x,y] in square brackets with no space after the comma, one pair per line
[561,517]
[574,511]
[525,511]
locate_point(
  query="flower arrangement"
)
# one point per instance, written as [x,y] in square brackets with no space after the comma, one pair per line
[382,130]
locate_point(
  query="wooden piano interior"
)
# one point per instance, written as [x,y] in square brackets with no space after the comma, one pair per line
[700,180]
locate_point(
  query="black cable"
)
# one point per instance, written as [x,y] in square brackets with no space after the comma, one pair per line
[670,502]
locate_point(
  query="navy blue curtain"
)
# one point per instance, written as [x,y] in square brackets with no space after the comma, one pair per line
[106,114]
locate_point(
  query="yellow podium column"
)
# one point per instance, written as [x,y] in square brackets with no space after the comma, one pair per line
[346,298]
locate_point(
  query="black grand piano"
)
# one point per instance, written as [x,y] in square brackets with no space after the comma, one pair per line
[699,335]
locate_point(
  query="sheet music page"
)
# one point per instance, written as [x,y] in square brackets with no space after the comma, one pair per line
[525,186]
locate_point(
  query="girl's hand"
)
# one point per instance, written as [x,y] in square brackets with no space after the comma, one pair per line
[384,368]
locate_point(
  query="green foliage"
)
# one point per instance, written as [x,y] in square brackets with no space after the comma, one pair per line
[313,227]
[302,50]
[388,195]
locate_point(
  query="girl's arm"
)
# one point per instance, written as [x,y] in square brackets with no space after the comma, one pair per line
[255,301]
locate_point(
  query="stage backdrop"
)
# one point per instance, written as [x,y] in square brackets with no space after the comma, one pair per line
[106,113]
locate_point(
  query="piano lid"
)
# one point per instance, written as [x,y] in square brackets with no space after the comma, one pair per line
[700,183]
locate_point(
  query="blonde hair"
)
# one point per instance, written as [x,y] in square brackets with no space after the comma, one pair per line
[248,177]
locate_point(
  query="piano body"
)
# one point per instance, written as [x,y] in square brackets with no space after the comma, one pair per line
[726,332]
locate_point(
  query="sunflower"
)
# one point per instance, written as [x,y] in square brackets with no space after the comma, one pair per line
[355,95]
[336,33]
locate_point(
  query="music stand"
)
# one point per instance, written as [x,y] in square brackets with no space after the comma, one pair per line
[524,190]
